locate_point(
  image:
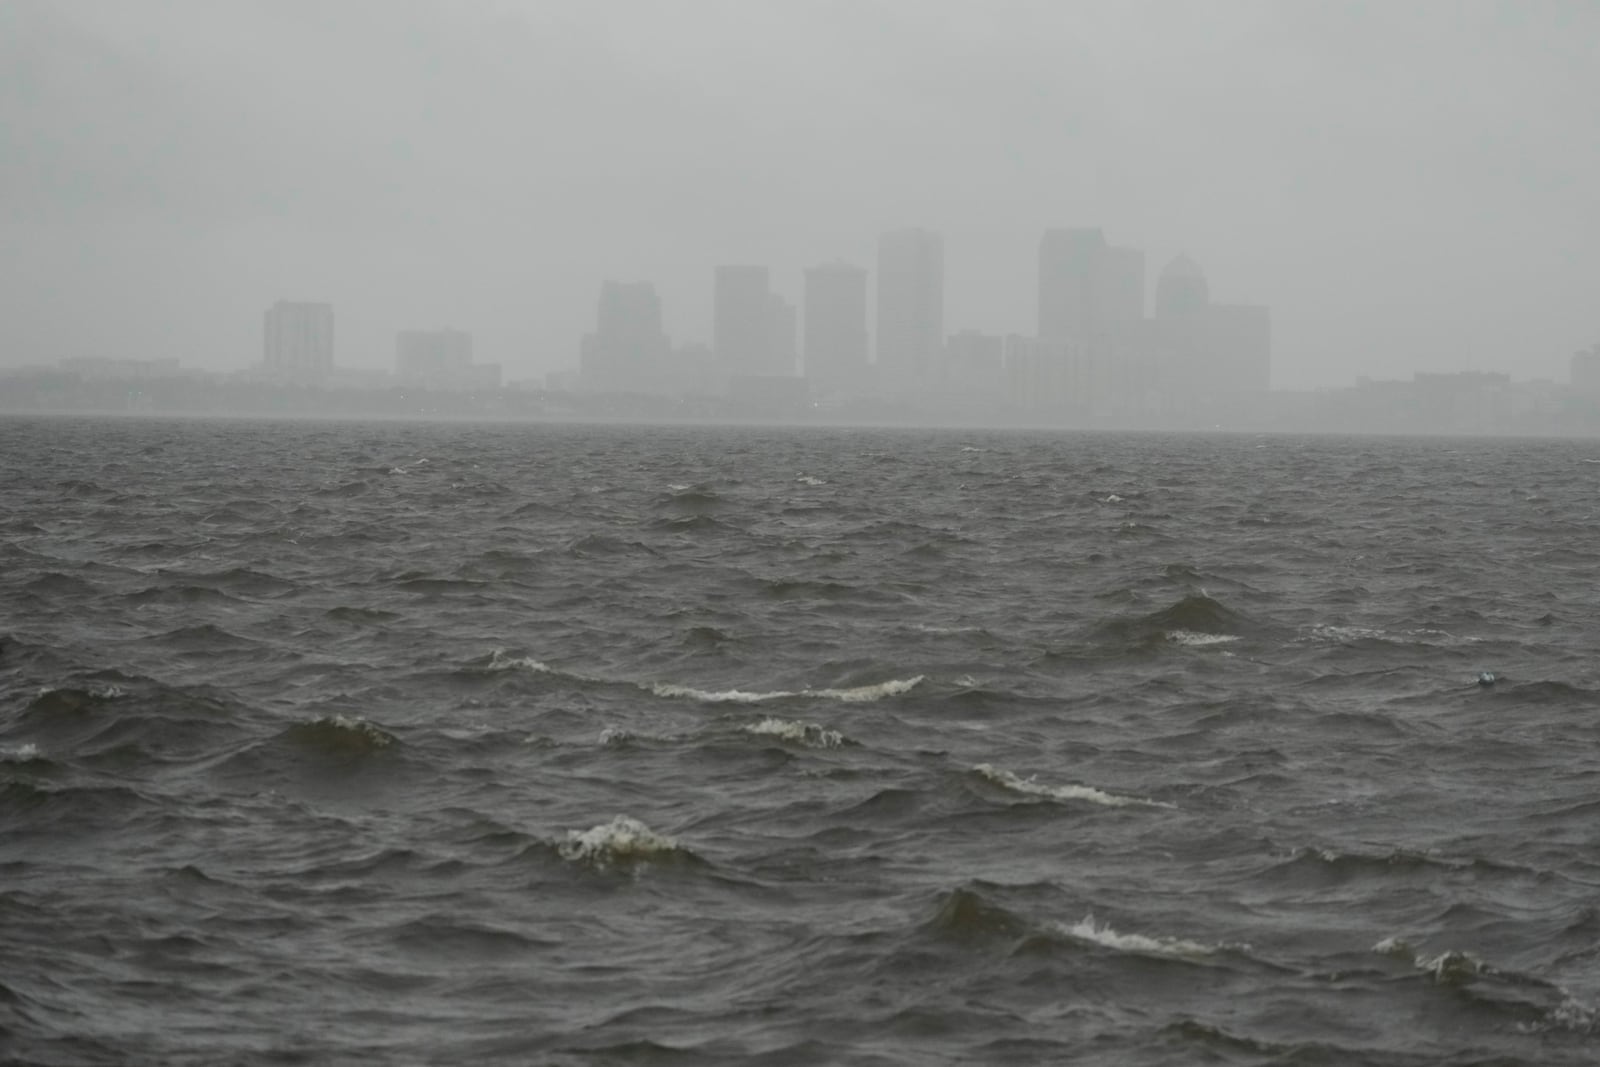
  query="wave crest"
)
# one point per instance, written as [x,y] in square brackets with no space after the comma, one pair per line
[1007,780]
[622,840]
[1087,929]
[860,694]
[802,733]
[340,736]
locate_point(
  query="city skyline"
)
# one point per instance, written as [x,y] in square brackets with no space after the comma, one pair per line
[1401,185]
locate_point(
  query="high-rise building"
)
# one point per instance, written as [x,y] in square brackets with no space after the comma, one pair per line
[784,342]
[836,327]
[1182,289]
[1585,367]
[298,339]
[1119,296]
[910,306]
[742,321]
[1071,279]
[628,349]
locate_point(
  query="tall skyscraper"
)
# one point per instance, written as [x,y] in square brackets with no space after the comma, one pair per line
[1182,289]
[910,305]
[836,327]
[1119,297]
[1071,271]
[297,339]
[628,349]
[742,321]
[784,346]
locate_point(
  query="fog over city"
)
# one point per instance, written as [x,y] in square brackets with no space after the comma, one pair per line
[1408,187]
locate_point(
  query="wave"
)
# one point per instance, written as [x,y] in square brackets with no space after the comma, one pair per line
[500,660]
[1338,634]
[20,754]
[860,694]
[687,524]
[1092,932]
[1006,780]
[690,502]
[601,545]
[806,479]
[55,584]
[1552,1007]
[1195,619]
[337,735]
[802,733]
[623,840]
[967,913]
[1199,640]
[1319,866]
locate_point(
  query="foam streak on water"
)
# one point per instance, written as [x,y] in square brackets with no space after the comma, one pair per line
[394,744]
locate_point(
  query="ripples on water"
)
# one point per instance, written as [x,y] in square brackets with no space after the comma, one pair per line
[431,743]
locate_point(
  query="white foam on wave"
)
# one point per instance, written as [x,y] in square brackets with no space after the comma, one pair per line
[1016,784]
[499,661]
[806,479]
[22,753]
[615,735]
[1456,967]
[676,487]
[1449,966]
[1423,635]
[803,733]
[1194,639]
[1086,929]
[623,838]
[375,734]
[1570,1015]
[860,694]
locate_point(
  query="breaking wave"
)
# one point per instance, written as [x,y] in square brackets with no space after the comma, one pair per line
[622,840]
[1088,930]
[801,733]
[860,694]
[1007,780]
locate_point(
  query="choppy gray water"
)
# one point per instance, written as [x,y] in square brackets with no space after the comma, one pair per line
[549,744]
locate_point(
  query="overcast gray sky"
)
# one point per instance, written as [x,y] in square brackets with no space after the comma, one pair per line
[1409,185]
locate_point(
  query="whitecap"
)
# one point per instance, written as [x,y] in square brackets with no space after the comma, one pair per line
[623,838]
[1194,639]
[676,487]
[1086,929]
[806,479]
[1007,780]
[615,735]
[21,753]
[803,733]
[1569,1015]
[857,695]
[378,737]
[499,661]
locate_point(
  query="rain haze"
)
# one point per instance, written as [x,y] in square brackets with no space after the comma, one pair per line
[890,532]
[1408,187]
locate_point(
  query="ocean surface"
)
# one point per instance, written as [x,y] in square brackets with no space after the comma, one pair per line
[456,744]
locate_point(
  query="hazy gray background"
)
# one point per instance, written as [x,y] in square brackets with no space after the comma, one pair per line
[1410,186]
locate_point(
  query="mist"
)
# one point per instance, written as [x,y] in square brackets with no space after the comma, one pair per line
[1407,187]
